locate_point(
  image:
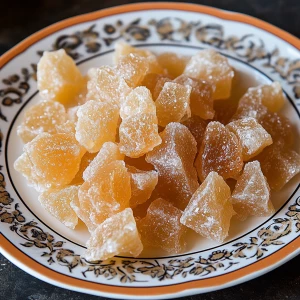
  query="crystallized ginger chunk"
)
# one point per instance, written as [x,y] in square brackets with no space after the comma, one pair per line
[150,81]
[210,210]
[117,235]
[251,195]
[175,64]
[162,228]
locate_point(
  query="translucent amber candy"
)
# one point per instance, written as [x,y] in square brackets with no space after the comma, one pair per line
[174,161]
[251,196]
[201,100]
[150,81]
[159,86]
[175,64]
[162,228]
[44,116]
[97,123]
[58,78]
[173,103]
[57,203]
[139,163]
[252,136]
[117,235]
[210,210]
[50,161]
[213,67]
[142,185]
[220,151]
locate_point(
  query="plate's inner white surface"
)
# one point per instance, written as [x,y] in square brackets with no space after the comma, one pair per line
[247,76]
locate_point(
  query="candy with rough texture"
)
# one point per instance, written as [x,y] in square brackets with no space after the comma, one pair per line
[251,195]
[252,136]
[174,161]
[97,123]
[57,203]
[162,228]
[117,235]
[220,151]
[173,63]
[210,210]
[212,67]
[173,103]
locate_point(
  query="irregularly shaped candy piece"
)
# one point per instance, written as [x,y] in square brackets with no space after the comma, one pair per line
[162,228]
[97,124]
[213,67]
[252,136]
[174,161]
[54,160]
[224,110]
[201,101]
[137,102]
[251,196]
[142,185]
[117,235]
[279,164]
[175,64]
[160,85]
[58,77]
[220,151]
[196,126]
[139,135]
[57,203]
[173,103]
[44,116]
[150,81]
[210,210]
[105,85]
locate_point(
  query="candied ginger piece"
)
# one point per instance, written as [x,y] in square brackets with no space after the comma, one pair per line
[117,235]
[251,195]
[58,78]
[212,67]
[174,161]
[41,117]
[97,123]
[105,85]
[57,203]
[173,103]
[220,151]
[210,210]
[174,63]
[139,163]
[201,102]
[150,81]
[159,86]
[139,135]
[252,136]
[162,228]
[279,164]
[137,102]
[142,185]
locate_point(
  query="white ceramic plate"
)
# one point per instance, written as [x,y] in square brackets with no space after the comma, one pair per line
[40,245]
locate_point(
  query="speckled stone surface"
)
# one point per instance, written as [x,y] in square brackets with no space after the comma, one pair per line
[19,19]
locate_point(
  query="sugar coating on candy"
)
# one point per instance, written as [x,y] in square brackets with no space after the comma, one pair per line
[220,151]
[108,153]
[251,195]
[44,116]
[211,66]
[137,102]
[201,102]
[118,235]
[97,124]
[173,103]
[142,185]
[138,135]
[210,210]
[162,228]
[57,203]
[174,161]
[105,85]
[175,64]
[252,136]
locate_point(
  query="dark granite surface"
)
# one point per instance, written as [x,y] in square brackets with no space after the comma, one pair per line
[18,19]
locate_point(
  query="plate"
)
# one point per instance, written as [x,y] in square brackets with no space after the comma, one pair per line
[34,241]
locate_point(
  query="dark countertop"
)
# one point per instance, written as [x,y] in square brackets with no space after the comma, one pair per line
[19,19]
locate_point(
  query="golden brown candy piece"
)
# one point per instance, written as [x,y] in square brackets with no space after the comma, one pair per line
[220,152]
[251,195]
[210,210]
[175,64]
[174,161]
[150,81]
[162,228]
